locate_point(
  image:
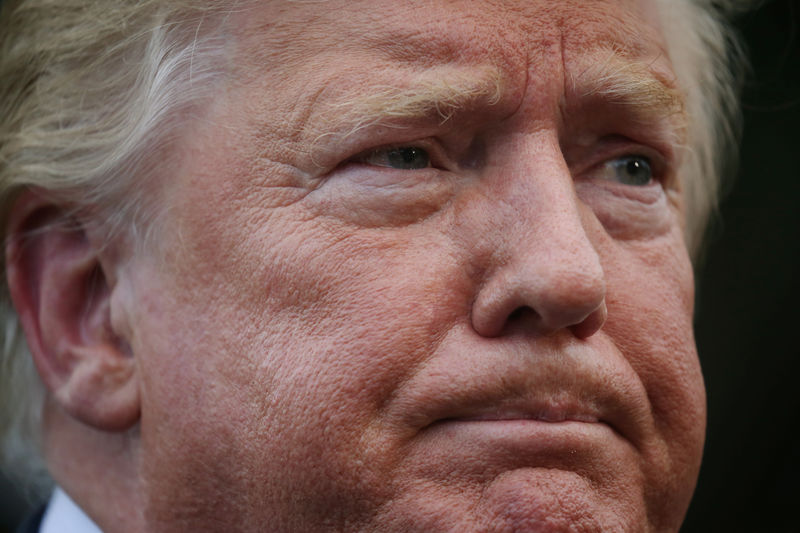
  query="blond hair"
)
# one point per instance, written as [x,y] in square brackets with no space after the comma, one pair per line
[708,61]
[90,90]
[92,95]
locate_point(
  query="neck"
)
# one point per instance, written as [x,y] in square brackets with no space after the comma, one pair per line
[96,468]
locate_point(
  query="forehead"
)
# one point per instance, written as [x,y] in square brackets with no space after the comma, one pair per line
[512,54]
[284,34]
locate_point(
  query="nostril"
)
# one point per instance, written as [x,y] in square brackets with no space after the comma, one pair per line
[517,314]
[523,318]
[593,322]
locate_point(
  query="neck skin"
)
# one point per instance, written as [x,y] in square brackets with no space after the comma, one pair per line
[96,468]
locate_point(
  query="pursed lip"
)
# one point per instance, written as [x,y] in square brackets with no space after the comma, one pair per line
[548,412]
[551,384]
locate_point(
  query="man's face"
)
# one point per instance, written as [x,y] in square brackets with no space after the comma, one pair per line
[425,271]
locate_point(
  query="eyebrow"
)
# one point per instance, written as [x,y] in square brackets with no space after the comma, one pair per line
[634,85]
[432,97]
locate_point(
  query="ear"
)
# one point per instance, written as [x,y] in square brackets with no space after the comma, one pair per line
[63,298]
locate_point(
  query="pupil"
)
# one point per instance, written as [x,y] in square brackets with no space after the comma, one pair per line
[638,170]
[408,154]
[408,158]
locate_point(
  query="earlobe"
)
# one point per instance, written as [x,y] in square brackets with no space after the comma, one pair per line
[63,297]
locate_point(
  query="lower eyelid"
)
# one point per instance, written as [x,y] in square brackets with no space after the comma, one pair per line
[380,177]
[642,194]
[628,212]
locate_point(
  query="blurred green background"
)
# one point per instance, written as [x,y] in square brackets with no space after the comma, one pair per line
[747,318]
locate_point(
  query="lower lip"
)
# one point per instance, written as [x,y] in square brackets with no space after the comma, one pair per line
[519,428]
[513,443]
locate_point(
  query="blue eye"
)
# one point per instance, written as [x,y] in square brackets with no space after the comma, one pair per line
[400,158]
[630,170]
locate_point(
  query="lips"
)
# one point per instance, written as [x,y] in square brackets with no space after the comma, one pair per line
[549,381]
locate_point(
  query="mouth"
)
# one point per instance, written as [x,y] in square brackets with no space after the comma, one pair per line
[535,411]
[551,398]
[485,445]
[527,424]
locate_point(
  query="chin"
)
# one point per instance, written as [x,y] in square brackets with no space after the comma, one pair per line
[526,499]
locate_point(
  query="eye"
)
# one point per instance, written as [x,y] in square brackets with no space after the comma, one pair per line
[400,158]
[629,170]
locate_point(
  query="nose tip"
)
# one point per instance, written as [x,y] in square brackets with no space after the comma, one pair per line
[572,300]
[544,295]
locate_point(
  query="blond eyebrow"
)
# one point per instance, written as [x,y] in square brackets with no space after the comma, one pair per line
[436,96]
[439,94]
[634,85]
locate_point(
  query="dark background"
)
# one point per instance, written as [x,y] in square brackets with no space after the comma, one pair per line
[748,318]
[747,306]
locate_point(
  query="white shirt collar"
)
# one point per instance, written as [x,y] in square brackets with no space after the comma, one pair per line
[64,516]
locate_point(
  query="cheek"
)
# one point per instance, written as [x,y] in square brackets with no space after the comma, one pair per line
[371,311]
[652,327]
[304,352]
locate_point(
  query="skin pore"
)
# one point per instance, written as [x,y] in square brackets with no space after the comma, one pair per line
[422,269]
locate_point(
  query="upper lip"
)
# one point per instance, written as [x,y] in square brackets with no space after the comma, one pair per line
[544,382]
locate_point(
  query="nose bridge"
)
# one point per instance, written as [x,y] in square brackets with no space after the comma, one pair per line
[552,239]
[544,269]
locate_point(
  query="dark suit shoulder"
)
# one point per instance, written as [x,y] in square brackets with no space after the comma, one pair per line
[32,523]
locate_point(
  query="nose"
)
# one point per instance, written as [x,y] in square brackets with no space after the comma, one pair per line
[545,275]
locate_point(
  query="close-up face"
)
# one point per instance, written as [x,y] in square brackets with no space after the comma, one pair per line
[422,268]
